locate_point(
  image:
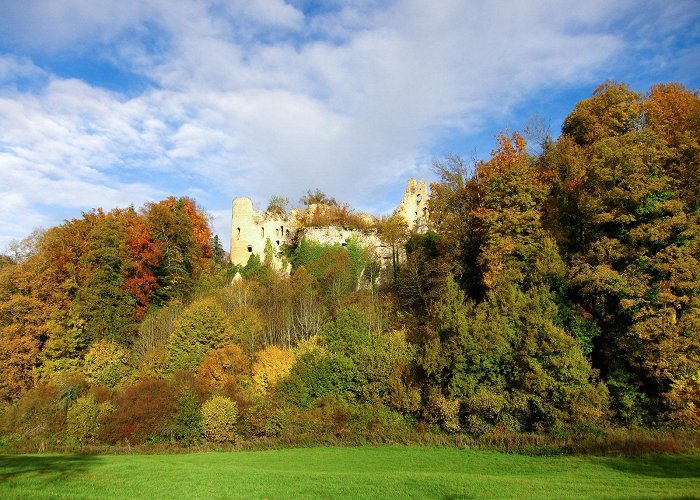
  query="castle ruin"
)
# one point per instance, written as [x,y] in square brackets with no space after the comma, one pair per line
[254,231]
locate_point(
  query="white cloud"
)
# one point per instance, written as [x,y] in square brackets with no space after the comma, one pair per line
[268,12]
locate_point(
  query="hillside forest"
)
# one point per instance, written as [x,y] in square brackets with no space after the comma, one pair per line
[556,292]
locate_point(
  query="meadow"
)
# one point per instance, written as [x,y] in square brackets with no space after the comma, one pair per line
[363,472]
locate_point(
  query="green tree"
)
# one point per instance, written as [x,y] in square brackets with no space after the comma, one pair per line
[201,328]
[188,427]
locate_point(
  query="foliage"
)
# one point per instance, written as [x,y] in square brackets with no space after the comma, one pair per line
[105,363]
[334,214]
[278,206]
[143,411]
[317,197]
[188,428]
[555,295]
[335,268]
[201,328]
[271,366]
[224,366]
[219,417]
[84,418]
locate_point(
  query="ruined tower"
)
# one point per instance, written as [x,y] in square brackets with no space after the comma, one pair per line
[414,206]
[252,232]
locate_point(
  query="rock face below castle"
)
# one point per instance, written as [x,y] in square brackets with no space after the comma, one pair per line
[252,232]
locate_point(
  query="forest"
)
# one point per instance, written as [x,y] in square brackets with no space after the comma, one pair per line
[556,293]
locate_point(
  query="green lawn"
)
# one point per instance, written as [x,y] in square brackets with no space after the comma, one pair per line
[385,472]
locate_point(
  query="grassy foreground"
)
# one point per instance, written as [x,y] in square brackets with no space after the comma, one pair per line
[385,472]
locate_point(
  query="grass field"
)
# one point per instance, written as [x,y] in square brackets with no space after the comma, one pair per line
[385,472]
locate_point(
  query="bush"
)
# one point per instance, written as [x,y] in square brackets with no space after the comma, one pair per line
[145,410]
[219,416]
[85,418]
[39,417]
[315,375]
[188,419]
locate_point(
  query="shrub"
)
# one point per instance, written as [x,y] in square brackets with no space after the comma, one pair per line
[188,419]
[443,410]
[39,417]
[145,410]
[315,375]
[85,418]
[219,416]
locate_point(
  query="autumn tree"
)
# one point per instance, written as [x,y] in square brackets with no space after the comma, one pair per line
[271,365]
[631,194]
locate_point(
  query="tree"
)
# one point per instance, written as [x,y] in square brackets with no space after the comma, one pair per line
[394,232]
[218,252]
[278,206]
[226,365]
[184,235]
[317,197]
[188,426]
[103,300]
[201,328]
[272,365]
[219,417]
[105,363]
[629,190]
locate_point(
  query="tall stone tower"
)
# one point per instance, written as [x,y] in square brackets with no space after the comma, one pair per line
[414,206]
[243,230]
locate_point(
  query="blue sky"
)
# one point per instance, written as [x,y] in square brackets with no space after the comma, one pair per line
[111,103]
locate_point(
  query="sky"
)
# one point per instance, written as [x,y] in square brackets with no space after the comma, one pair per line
[113,103]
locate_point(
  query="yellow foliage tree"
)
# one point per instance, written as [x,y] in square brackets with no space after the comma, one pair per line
[219,416]
[271,366]
[105,363]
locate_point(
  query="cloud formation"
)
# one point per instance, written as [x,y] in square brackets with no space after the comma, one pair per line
[263,97]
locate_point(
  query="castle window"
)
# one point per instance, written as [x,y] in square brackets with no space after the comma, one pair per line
[278,242]
[262,232]
[287,233]
[250,248]
[238,233]
[419,198]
